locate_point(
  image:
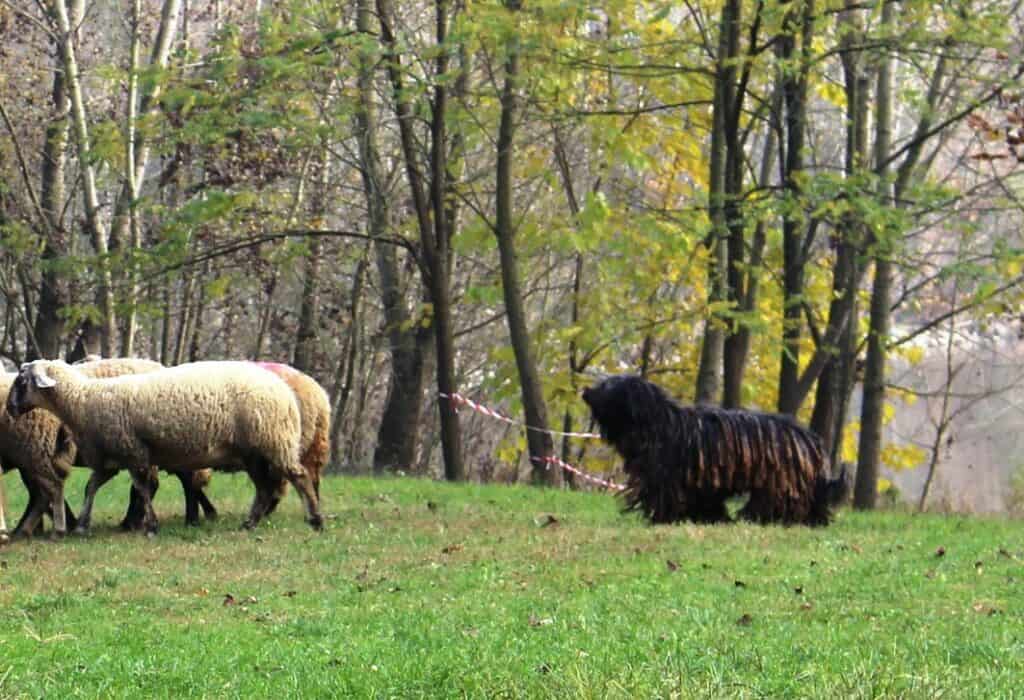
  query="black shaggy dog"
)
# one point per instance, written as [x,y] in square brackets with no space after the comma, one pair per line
[683,462]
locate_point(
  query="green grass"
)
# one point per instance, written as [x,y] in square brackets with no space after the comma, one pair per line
[424,589]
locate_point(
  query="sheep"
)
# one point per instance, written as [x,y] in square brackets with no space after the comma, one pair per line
[314,446]
[192,483]
[230,415]
[315,411]
[44,453]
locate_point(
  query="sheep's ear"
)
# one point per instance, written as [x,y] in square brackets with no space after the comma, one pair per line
[42,380]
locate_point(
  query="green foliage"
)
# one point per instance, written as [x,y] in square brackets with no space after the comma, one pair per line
[422,589]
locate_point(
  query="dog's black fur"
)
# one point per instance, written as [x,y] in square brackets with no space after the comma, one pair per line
[683,462]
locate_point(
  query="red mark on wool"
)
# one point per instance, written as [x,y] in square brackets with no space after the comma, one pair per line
[275,367]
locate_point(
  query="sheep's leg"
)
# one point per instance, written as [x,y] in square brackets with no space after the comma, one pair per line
[304,486]
[20,528]
[69,516]
[99,477]
[31,520]
[261,501]
[208,509]
[191,500]
[60,527]
[276,490]
[35,496]
[142,481]
[135,515]
[4,537]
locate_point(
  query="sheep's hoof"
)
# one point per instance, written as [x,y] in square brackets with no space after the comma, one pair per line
[317,523]
[4,538]
[150,534]
[81,530]
[58,535]
[248,525]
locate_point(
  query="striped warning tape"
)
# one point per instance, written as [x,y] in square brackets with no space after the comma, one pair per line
[460,400]
[582,474]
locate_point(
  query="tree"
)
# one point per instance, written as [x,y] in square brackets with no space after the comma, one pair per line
[534,408]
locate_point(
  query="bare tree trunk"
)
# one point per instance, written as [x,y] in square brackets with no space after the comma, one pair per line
[733,346]
[865,493]
[737,343]
[53,292]
[268,312]
[709,379]
[794,89]
[831,398]
[197,325]
[90,193]
[945,416]
[345,372]
[397,433]
[309,317]
[435,227]
[538,440]
[165,327]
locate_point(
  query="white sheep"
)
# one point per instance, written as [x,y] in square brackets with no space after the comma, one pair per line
[229,415]
[315,416]
[314,445]
[43,453]
[192,482]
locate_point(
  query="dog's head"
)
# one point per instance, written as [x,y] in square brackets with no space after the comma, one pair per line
[623,403]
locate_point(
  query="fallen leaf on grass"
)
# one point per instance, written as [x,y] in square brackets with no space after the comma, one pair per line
[985,609]
[940,552]
[672,566]
[543,668]
[739,584]
[431,506]
[540,621]
[35,636]
[799,590]
[289,594]
[229,599]
[745,620]
[547,521]
[451,549]
[806,606]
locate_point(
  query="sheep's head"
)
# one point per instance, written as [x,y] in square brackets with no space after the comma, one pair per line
[29,387]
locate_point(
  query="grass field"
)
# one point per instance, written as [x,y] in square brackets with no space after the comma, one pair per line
[425,589]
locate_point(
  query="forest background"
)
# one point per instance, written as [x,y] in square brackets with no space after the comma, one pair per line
[806,207]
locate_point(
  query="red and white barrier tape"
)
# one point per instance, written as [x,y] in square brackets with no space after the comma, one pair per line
[582,474]
[460,400]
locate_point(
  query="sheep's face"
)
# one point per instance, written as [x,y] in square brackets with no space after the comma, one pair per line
[28,390]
